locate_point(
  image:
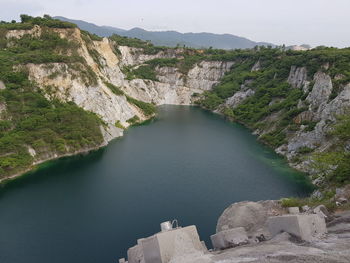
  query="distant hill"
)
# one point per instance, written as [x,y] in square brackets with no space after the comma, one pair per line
[171,38]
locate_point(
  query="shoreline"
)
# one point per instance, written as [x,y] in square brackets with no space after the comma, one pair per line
[10,178]
[34,166]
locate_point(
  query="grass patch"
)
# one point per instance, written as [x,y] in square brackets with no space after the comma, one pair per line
[147,108]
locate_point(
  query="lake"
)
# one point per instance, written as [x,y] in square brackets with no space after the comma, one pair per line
[187,164]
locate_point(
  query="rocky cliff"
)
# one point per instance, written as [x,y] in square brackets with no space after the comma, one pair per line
[294,103]
[290,99]
[97,80]
[172,86]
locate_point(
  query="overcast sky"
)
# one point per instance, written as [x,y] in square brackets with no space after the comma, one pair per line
[314,22]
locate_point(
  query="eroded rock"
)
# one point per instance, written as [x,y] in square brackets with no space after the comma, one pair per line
[239,97]
[297,77]
[252,216]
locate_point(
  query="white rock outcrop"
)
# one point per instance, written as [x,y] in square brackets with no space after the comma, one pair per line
[297,77]
[70,82]
[239,97]
[321,90]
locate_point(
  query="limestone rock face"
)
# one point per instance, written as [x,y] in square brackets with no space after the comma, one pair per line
[207,74]
[110,132]
[297,77]
[35,31]
[96,98]
[252,216]
[321,90]
[325,114]
[339,105]
[68,82]
[131,56]
[257,66]
[239,97]
[304,116]
[174,87]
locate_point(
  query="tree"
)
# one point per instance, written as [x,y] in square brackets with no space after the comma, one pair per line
[25,18]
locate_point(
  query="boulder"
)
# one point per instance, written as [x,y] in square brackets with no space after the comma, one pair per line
[229,238]
[252,216]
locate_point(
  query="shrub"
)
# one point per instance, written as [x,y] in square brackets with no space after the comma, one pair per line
[147,108]
[305,150]
[116,90]
[119,125]
[133,120]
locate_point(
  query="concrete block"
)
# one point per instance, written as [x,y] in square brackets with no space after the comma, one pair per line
[293,210]
[163,246]
[306,227]
[229,238]
[135,254]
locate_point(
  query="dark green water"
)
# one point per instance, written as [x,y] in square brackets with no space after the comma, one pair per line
[187,164]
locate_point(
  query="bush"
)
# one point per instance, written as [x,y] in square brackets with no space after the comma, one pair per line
[45,21]
[119,125]
[274,139]
[163,62]
[305,150]
[147,108]
[148,48]
[292,202]
[133,120]
[116,90]
[144,72]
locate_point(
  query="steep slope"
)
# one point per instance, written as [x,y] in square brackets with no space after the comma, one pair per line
[296,102]
[48,65]
[172,38]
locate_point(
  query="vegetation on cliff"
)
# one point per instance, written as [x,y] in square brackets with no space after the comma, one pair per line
[274,107]
[334,165]
[28,22]
[32,127]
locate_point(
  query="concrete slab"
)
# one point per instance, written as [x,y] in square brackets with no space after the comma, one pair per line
[306,227]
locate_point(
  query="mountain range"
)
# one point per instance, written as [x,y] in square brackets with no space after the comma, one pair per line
[171,38]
